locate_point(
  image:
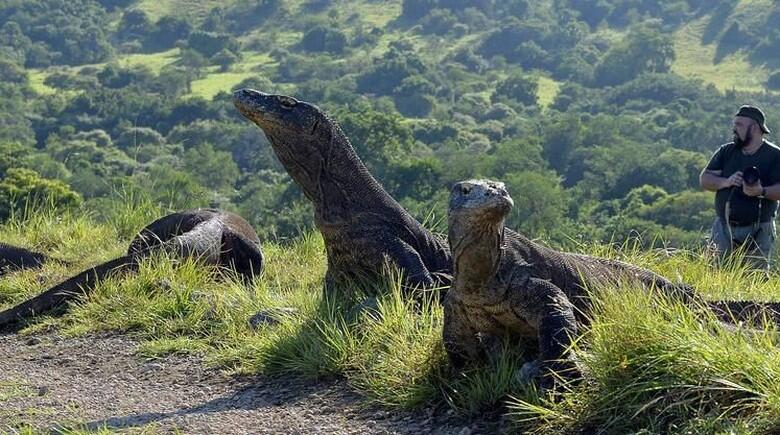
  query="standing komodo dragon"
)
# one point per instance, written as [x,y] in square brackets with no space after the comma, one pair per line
[504,282]
[16,258]
[361,223]
[212,236]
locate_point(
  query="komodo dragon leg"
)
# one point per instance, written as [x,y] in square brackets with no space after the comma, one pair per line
[546,308]
[409,260]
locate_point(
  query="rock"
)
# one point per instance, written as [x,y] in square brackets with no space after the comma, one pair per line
[528,371]
[32,341]
[270,316]
[369,305]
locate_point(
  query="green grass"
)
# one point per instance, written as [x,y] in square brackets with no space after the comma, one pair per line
[216,82]
[548,90]
[153,61]
[371,13]
[650,364]
[192,9]
[698,60]
[84,429]
[37,78]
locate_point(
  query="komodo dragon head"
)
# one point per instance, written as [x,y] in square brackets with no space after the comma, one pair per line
[480,201]
[477,210]
[308,143]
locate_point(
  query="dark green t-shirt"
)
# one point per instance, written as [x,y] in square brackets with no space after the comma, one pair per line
[730,159]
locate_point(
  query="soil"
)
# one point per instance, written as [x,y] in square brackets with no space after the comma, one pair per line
[48,383]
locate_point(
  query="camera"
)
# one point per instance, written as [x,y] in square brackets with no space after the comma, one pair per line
[750,175]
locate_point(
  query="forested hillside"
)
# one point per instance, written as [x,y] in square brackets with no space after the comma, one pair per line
[598,114]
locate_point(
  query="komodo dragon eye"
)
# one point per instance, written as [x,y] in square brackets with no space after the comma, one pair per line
[287,102]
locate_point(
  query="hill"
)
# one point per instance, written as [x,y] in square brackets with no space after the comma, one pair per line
[601,113]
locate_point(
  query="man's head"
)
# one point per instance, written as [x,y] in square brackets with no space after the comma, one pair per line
[749,123]
[482,201]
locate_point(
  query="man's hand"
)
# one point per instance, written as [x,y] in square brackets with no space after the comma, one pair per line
[735,180]
[753,189]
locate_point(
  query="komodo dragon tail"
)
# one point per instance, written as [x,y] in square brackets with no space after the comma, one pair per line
[746,311]
[72,288]
[730,311]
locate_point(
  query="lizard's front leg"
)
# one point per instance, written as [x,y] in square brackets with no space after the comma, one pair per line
[460,337]
[545,307]
[408,260]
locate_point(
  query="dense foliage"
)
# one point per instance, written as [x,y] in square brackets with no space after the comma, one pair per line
[573,103]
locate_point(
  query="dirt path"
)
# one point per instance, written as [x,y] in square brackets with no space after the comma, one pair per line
[94,382]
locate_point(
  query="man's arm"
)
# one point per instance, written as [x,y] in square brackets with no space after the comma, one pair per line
[711,180]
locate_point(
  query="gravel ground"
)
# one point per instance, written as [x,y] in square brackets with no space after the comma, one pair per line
[49,382]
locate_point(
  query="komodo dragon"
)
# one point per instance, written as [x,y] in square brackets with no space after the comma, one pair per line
[16,258]
[504,282]
[361,223]
[212,236]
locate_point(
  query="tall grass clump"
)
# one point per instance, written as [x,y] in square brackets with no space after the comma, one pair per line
[654,364]
[128,210]
[68,237]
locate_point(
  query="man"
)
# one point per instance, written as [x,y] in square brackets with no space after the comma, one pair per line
[746,200]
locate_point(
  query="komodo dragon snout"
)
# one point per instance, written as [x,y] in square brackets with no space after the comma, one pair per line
[278,112]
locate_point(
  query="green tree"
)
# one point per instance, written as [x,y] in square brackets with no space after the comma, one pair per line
[225,58]
[540,202]
[324,38]
[215,169]
[518,87]
[20,186]
[645,49]
[134,25]
[380,139]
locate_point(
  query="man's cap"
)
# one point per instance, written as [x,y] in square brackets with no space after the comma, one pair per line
[755,114]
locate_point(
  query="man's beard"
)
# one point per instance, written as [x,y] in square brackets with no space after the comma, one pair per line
[739,142]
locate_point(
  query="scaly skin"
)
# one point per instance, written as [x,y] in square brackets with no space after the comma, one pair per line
[16,258]
[362,225]
[211,236]
[506,283]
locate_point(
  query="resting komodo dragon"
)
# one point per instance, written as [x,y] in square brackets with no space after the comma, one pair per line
[504,282]
[212,236]
[361,223]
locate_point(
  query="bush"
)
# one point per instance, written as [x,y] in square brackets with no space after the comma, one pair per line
[20,186]
[324,38]
[209,43]
[517,87]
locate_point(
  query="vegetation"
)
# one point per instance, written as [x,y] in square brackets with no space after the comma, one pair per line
[586,101]
[650,363]
[598,114]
